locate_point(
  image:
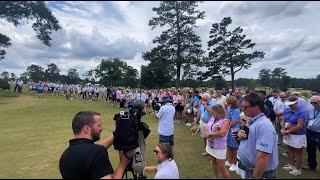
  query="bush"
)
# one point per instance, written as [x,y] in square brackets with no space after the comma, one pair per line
[305,94]
[4,85]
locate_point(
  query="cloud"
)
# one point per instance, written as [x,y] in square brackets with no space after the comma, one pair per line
[286,51]
[285,31]
[261,10]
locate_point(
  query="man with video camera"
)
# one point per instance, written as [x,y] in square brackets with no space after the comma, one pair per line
[166,125]
[85,159]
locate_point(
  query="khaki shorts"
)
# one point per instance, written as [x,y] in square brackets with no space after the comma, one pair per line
[202,128]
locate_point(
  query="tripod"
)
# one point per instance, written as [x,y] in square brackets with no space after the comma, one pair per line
[135,176]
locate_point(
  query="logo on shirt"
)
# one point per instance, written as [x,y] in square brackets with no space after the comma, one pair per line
[263,145]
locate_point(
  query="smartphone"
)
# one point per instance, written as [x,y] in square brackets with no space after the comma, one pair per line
[246,129]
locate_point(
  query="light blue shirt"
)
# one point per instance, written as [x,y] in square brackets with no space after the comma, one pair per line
[304,105]
[262,137]
[279,106]
[314,120]
[195,100]
[141,96]
[165,116]
[204,115]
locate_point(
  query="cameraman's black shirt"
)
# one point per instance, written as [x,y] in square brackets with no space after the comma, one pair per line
[84,160]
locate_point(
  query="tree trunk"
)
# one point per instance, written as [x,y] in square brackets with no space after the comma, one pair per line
[178,76]
[232,78]
[178,48]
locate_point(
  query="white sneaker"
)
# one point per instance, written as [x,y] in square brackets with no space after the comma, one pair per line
[288,167]
[227,164]
[232,167]
[243,174]
[188,124]
[295,172]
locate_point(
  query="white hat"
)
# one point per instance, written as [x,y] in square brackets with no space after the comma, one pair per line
[291,100]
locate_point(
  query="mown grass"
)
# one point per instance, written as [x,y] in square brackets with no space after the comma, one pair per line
[35,132]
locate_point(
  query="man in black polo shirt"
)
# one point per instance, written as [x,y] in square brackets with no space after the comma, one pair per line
[83,158]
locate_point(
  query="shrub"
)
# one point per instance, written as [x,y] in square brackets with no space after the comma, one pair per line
[305,94]
[4,85]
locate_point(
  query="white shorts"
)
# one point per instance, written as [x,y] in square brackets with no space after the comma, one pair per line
[202,128]
[296,141]
[217,153]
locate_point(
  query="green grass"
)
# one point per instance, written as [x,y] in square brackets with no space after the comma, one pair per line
[35,132]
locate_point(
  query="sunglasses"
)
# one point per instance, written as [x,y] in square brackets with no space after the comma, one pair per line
[314,103]
[156,151]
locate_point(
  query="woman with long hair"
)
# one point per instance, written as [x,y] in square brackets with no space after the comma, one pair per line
[233,115]
[216,134]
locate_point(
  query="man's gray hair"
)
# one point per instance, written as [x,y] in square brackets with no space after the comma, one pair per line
[206,96]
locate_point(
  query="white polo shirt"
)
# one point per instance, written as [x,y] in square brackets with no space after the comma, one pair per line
[167,170]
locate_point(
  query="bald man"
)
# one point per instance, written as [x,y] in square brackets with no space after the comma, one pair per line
[313,133]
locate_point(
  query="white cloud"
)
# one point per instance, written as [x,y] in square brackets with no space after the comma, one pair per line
[285,31]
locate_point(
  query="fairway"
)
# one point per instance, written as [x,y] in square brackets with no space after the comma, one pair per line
[35,132]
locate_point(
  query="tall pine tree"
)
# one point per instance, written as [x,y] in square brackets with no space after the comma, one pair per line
[180,39]
[229,50]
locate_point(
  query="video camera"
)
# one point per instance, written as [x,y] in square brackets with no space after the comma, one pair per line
[156,105]
[130,134]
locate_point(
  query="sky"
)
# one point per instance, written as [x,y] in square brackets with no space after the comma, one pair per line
[288,33]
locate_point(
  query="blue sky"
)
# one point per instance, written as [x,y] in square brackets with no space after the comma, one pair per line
[288,33]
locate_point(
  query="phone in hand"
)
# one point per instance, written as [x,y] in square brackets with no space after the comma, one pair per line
[246,129]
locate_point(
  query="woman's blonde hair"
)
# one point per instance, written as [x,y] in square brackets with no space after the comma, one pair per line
[232,101]
[218,111]
[166,149]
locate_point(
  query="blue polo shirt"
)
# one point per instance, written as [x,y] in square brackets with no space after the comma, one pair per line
[262,137]
[292,118]
[204,115]
[195,100]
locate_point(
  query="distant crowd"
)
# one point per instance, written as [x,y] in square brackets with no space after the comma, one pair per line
[247,125]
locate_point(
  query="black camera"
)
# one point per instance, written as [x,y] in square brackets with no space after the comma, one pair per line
[156,105]
[128,123]
[130,134]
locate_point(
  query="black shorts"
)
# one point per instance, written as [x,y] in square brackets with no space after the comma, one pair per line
[179,107]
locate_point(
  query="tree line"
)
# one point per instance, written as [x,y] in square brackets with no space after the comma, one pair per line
[115,72]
